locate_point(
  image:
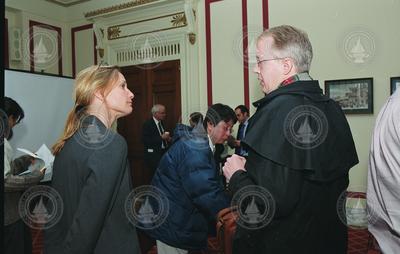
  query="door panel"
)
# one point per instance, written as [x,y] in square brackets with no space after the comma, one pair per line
[151,84]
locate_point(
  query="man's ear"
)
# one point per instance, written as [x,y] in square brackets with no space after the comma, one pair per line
[288,66]
[210,126]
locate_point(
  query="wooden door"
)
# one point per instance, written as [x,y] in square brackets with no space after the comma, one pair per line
[157,83]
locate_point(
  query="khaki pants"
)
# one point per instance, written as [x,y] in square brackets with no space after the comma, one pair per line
[163,248]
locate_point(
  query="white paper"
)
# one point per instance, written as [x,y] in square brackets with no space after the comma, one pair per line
[44,159]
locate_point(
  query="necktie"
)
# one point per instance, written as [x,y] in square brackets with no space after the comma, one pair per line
[239,136]
[240,132]
[161,129]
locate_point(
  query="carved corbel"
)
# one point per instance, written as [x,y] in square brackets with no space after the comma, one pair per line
[190,14]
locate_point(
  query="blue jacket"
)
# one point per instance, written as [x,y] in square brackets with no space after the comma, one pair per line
[187,177]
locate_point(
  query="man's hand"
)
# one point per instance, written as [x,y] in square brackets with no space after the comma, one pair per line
[233,164]
[166,136]
[237,143]
[43,171]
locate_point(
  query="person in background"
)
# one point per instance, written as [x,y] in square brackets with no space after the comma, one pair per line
[195,118]
[242,114]
[154,137]
[91,170]
[188,178]
[300,150]
[383,192]
[195,121]
[17,235]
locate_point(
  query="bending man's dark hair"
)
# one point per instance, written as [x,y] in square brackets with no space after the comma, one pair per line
[217,113]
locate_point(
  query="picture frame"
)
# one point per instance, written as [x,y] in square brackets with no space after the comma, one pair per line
[355,96]
[394,84]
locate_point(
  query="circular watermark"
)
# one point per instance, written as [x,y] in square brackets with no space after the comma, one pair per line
[358,46]
[40,207]
[193,137]
[148,48]
[92,134]
[42,47]
[197,137]
[4,128]
[248,53]
[147,207]
[352,210]
[255,207]
[306,127]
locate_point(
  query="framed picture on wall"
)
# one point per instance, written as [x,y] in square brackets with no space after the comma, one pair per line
[394,84]
[355,96]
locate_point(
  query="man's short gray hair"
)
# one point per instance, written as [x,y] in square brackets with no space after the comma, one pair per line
[291,42]
[156,108]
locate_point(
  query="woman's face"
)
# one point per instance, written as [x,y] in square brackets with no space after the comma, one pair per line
[119,100]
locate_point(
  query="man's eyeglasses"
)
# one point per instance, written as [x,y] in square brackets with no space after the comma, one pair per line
[266,60]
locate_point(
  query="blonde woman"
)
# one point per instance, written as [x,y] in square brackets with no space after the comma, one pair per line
[91,170]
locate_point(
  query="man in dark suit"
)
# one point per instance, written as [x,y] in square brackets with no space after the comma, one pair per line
[242,114]
[154,137]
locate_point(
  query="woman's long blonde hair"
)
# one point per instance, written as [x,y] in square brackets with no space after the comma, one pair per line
[88,81]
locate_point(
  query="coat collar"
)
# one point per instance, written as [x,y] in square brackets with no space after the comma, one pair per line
[307,88]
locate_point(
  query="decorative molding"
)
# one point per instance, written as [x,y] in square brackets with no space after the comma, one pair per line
[152,34]
[118,7]
[178,20]
[169,51]
[70,3]
[192,38]
[113,32]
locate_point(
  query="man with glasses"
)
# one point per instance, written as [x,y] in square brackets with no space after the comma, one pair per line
[300,149]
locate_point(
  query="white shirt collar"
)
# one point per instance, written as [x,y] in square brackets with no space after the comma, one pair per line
[210,143]
[155,120]
[8,155]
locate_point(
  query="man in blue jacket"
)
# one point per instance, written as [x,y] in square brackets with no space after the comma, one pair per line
[187,177]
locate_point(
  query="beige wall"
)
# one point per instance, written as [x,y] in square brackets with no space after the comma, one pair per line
[328,23]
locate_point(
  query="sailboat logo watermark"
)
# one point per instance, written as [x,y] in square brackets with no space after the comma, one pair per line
[306,127]
[352,208]
[255,206]
[40,207]
[245,45]
[147,207]
[359,46]
[44,47]
[93,134]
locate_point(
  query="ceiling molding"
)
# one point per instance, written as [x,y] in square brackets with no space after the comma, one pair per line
[67,3]
[118,7]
